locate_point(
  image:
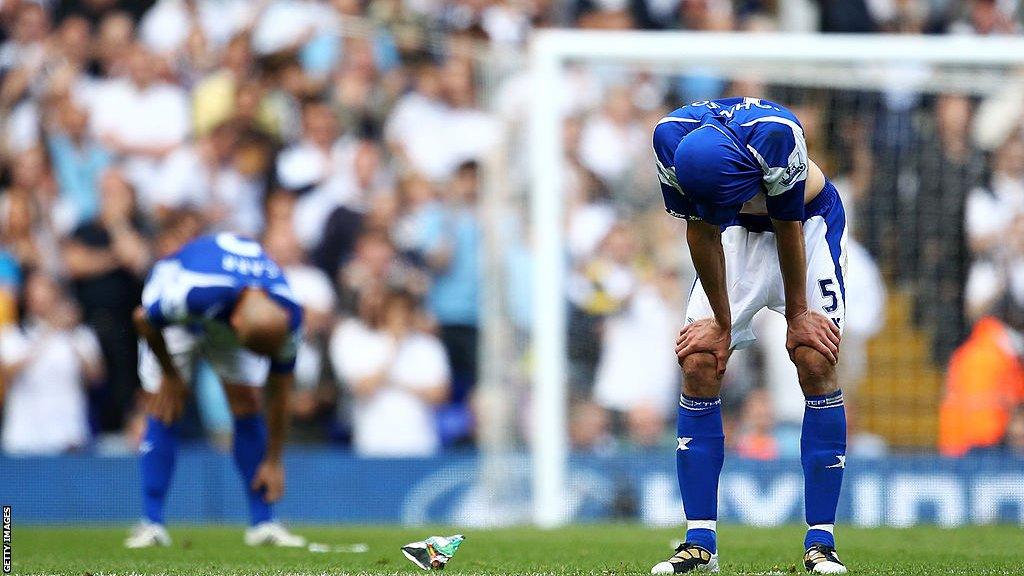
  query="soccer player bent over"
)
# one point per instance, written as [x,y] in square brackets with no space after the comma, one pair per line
[219,298]
[766,230]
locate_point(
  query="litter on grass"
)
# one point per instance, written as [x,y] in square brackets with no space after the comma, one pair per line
[434,552]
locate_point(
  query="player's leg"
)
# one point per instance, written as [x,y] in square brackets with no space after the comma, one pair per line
[822,445]
[243,374]
[249,444]
[700,450]
[823,435]
[159,444]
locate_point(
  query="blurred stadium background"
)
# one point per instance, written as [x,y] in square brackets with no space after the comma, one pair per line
[387,152]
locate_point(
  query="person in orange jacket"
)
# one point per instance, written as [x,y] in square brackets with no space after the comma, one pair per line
[984,385]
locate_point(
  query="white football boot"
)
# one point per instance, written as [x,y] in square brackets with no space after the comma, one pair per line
[821,559]
[688,558]
[147,535]
[272,533]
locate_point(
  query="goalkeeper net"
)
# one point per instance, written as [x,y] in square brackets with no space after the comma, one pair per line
[587,276]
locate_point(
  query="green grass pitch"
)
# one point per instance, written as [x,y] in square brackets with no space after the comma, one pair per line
[603,550]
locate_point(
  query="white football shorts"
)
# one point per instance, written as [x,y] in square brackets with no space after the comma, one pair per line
[232,363]
[754,278]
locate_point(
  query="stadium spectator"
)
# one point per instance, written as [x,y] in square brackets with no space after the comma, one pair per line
[630,352]
[756,437]
[31,214]
[984,385]
[950,169]
[375,267]
[451,243]
[25,48]
[415,127]
[361,198]
[207,176]
[613,141]
[419,203]
[78,160]
[286,25]
[106,260]
[471,132]
[114,43]
[600,287]
[397,375]
[315,291]
[46,363]
[311,168]
[216,94]
[170,24]
[142,119]
[992,215]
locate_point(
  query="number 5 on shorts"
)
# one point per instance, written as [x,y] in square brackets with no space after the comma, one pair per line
[825,285]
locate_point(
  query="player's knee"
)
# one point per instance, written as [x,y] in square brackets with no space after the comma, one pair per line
[243,400]
[815,371]
[700,374]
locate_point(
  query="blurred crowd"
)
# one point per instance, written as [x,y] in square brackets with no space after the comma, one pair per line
[354,139]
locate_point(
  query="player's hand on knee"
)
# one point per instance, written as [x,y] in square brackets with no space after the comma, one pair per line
[169,402]
[814,330]
[705,336]
[270,480]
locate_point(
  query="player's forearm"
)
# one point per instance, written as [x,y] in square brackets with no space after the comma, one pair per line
[278,388]
[155,339]
[705,242]
[789,238]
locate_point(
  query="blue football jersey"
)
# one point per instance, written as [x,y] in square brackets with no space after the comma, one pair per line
[198,287]
[714,155]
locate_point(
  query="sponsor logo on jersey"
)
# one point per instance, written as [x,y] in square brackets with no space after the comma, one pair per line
[793,173]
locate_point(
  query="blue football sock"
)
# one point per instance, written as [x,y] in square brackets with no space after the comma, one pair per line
[156,461]
[823,455]
[249,448]
[699,456]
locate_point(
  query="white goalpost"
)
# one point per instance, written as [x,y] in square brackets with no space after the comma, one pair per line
[963,64]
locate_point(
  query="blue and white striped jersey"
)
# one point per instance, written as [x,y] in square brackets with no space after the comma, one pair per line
[714,155]
[198,287]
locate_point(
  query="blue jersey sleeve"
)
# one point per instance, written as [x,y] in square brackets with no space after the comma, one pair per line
[778,145]
[173,296]
[667,135]
[678,205]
